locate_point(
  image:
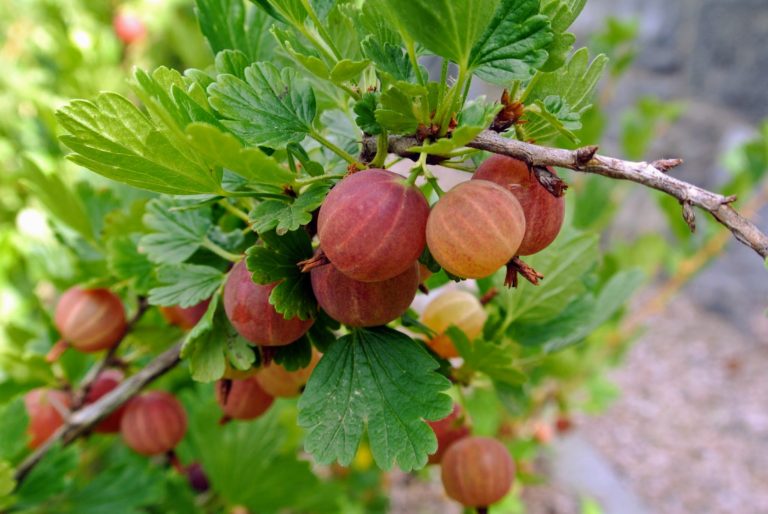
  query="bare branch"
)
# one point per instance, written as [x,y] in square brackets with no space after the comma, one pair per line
[651,175]
[81,421]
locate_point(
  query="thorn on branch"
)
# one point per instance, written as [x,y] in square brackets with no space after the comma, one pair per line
[730,199]
[515,266]
[585,154]
[489,296]
[551,182]
[689,215]
[664,165]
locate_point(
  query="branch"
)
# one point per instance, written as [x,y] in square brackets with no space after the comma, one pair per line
[81,421]
[651,175]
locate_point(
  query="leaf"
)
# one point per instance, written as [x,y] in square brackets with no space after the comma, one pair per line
[13,430]
[205,344]
[276,260]
[495,360]
[7,484]
[188,285]
[289,215]
[124,486]
[126,263]
[49,477]
[574,84]
[111,137]
[271,108]
[286,11]
[228,24]
[58,199]
[389,58]
[513,45]
[563,264]
[398,112]
[476,116]
[562,14]
[219,148]
[250,463]
[348,71]
[294,356]
[379,379]
[177,233]
[446,27]
[365,109]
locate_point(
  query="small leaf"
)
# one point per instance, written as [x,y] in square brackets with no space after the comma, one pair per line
[221,149]
[390,59]
[476,116]
[125,262]
[513,45]
[276,260]
[13,429]
[495,360]
[206,343]
[177,234]
[294,356]
[271,108]
[289,215]
[189,284]
[348,71]
[397,113]
[228,24]
[365,109]
[379,379]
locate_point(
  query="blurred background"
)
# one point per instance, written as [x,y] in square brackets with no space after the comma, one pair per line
[680,424]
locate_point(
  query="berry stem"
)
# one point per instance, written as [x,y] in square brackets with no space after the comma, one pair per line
[235,211]
[382,150]
[332,147]
[311,180]
[482,510]
[221,252]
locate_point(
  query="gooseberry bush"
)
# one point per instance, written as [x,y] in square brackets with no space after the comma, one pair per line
[305,223]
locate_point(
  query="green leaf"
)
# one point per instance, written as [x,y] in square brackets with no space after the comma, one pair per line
[446,27]
[381,379]
[111,137]
[390,59]
[476,116]
[206,343]
[124,486]
[514,44]
[58,199]
[574,84]
[562,14]
[228,24]
[365,109]
[276,260]
[348,71]
[495,360]
[559,116]
[289,215]
[398,114]
[563,264]
[294,356]
[7,484]
[177,232]
[219,148]
[250,463]
[49,477]
[287,11]
[13,429]
[188,285]
[126,263]
[271,108]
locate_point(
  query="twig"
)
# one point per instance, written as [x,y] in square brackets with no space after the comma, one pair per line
[99,367]
[587,160]
[80,422]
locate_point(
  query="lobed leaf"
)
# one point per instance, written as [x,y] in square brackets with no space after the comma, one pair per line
[176,233]
[187,285]
[377,379]
[270,108]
